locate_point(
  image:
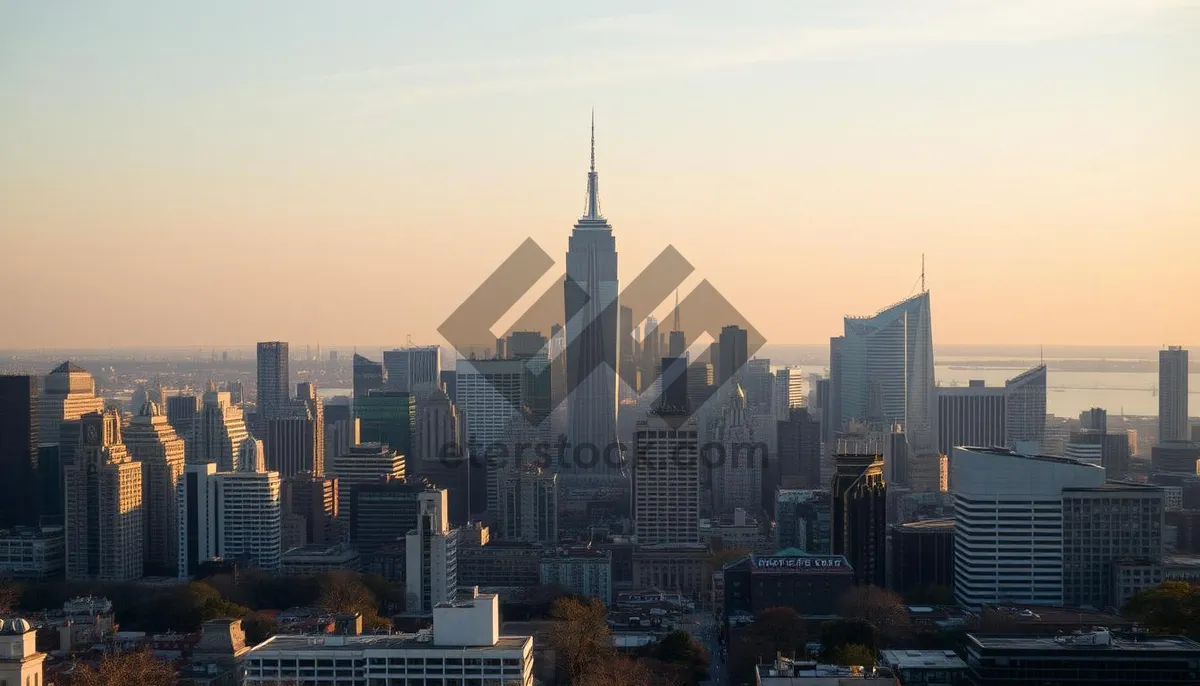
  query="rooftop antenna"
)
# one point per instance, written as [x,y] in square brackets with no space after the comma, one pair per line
[675,320]
[922,272]
[1042,355]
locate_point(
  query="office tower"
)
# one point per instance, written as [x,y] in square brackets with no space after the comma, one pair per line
[803,518]
[798,458]
[886,369]
[70,393]
[970,415]
[431,556]
[364,464]
[103,496]
[438,427]
[250,518]
[734,353]
[922,555]
[252,456]
[523,345]
[858,528]
[50,481]
[1008,518]
[1095,419]
[591,289]
[342,430]
[413,369]
[833,418]
[183,414]
[153,443]
[490,396]
[237,392]
[788,391]
[700,386]
[758,382]
[629,351]
[529,507]
[1179,457]
[651,353]
[1173,394]
[220,432]
[315,498]
[198,522]
[368,376]
[19,445]
[674,383]
[737,469]
[295,439]
[274,380]
[1025,410]
[384,513]
[666,480]
[895,458]
[387,417]
[1102,525]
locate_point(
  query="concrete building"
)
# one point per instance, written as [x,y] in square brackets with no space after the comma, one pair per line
[311,560]
[69,393]
[315,499]
[365,464]
[666,480]
[383,513]
[1094,419]
[431,556]
[229,515]
[274,381]
[19,443]
[921,555]
[971,415]
[1095,658]
[490,393]
[1025,410]
[583,571]
[858,527]
[291,445]
[803,518]
[220,431]
[925,667]
[464,645]
[1173,394]
[183,414]
[367,376]
[1178,457]
[789,391]
[33,554]
[810,584]
[413,370]
[1102,526]
[439,427]
[153,443]
[528,507]
[20,661]
[785,671]
[105,519]
[198,518]
[1008,519]
[798,462]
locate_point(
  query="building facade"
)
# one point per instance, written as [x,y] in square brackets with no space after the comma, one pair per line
[153,443]
[803,520]
[1102,526]
[1173,394]
[69,393]
[666,480]
[1025,410]
[19,441]
[921,555]
[220,431]
[971,415]
[431,555]
[413,370]
[365,464]
[528,507]
[274,380]
[583,571]
[858,527]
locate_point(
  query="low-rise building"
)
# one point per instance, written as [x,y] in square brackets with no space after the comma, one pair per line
[35,554]
[499,565]
[1094,658]
[925,667]
[810,584]
[314,559]
[464,646]
[583,571]
[787,672]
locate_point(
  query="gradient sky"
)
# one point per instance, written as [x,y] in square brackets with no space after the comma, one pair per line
[224,172]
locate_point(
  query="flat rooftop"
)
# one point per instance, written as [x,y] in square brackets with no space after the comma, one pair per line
[1006,452]
[918,659]
[422,641]
[1069,643]
[932,524]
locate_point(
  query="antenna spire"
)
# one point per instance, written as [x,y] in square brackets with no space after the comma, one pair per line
[593,167]
[922,272]
[593,188]
[676,312]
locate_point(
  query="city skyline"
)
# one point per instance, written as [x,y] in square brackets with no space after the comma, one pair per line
[263,150]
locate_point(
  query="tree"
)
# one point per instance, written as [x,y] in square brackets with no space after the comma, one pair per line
[580,637]
[853,654]
[343,591]
[882,608]
[624,671]
[842,632]
[10,595]
[679,652]
[774,630]
[138,667]
[259,627]
[1172,607]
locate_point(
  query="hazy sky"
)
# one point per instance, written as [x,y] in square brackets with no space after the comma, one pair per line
[223,172]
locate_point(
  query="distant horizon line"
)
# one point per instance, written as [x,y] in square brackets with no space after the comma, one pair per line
[348,347]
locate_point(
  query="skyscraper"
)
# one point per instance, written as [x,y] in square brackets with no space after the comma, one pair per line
[431,555]
[220,431]
[368,376]
[103,495]
[197,517]
[859,516]
[1102,525]
[70,393]
[19,442]
[1173,394]
[364,464]
[250,518]
[803,519]
[529,507]
[887,376]
[798,463]
[970,415]
[738,468]
[490,397]
[666,480]
[734,353]
[387,417]
[591,293]
[153,443]
[413,369]
[438,427]
[1094,419]
[315,498]
[789,391]
[183,414]
[295,440]
[274,380]
[1025,410]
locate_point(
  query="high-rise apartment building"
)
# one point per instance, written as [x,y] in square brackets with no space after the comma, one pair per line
[970,415]
[274,380]
[803,518]
[858,526]
[1102,525]
[886,372]
[103,496]
[229,515]
[19,443]
[220,432]
[431,555]
[666,480]
[528,507]
[368,376]
[413,370]
[1173,394]
[153,443]
[1008,519]
[734,353]
[1025,410]
[199,526]
[592,356]
[70,393]
[315,498]
[364,464]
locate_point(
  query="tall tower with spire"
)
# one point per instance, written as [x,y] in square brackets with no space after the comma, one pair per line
[592,355]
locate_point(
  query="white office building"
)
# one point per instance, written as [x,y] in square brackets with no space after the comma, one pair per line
[464,648]
[789,391]
[489,396]
[1008,519]
[229,515]
[431,555]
